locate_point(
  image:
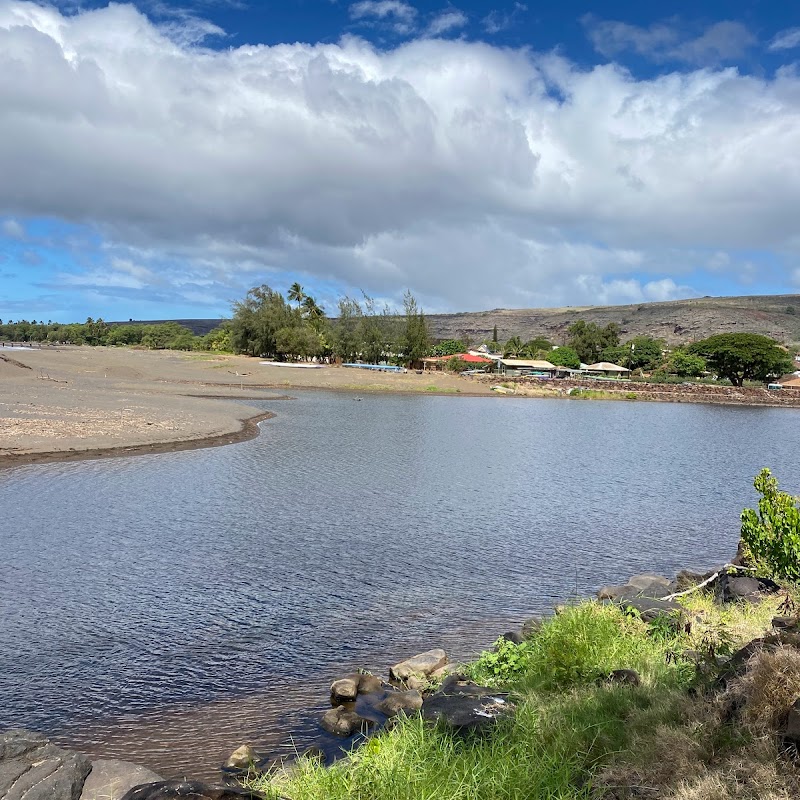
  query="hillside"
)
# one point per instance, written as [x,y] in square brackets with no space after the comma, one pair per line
[677,321]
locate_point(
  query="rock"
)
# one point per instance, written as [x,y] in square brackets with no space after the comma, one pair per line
[731,588]
[792,730]
[345,690]
[447,669]
[785,623]
[396,702]
[514,637]
[415,682]
[647,582]
[242,758]
[110,778]
[423,664]
[343,721]
[624,677]
[613,592]
[369,684]
[186,790]
[532,625]
[466,707]
[651,609]
[31,768]
[686,579]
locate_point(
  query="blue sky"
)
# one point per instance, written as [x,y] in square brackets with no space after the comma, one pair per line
[160,158]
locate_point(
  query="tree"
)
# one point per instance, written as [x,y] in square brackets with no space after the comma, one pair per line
[743,356]
[589,341]
[685,364]
[641,352]
[494,334]
[564,357]
[449,347]
[414,340]
[771,535]
[513,347]
[538,345]
[257,319]
[296,294]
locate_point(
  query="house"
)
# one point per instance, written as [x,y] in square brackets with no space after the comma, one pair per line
[523,366]
[791,381]
[606,369]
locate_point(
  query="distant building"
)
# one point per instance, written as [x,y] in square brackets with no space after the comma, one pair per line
[439,362]
[521,366]
[606,369]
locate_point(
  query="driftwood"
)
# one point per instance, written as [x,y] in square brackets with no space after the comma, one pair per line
[705,582]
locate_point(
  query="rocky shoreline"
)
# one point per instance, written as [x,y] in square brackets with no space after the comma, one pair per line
[33,768]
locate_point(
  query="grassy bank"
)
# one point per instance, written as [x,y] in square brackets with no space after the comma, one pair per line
[573,734]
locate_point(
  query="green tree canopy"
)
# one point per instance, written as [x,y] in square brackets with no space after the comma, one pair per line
[743,356]
[449,347]
[685,364]
[588,340]
[564,357]
[641,352]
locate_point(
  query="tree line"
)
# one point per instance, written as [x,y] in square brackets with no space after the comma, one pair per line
[265,323]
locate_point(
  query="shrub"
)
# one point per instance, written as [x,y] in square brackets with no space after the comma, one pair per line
[771,535]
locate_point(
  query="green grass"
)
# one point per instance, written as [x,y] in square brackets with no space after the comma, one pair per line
[570,727]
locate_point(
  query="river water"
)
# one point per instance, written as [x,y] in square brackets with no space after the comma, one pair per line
[167,608]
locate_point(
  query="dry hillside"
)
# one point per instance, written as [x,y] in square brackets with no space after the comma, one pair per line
[677,321]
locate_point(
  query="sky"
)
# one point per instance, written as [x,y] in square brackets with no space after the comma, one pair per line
[158,158]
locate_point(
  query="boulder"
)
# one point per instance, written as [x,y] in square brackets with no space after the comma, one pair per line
[423,664]
[613,592]
[110,778]
[242,758]
[514,637]
[447,669]
[687,579]
[647,582]
[342,721]
[466,707]
[400,702]
[785,623]
[369,684]
[345,690]
[415,682]
[188,790]
[31,768]
[651,609]
[732,588]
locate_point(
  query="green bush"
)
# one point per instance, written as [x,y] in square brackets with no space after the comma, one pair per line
[771,535]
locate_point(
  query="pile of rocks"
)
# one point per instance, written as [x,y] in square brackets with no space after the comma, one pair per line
[33,768]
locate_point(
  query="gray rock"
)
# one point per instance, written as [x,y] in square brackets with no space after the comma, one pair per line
[415,682]
[785,623]
[186,790]
[613,592]
[423,664]
[342,721]
[732,588]
[447,669]
[241,758]
[650,609]
[345,690]
[369,684]
[31,768]
[110,779]
[514,637]
[647,582]
[400,702]
[466,707]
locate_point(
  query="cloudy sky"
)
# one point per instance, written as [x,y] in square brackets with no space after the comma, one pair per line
[159,158]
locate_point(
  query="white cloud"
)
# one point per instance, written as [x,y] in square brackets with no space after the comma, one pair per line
[475,175]
[670,40]
[786,40]
[12,229]
[496,21]
[400,15]
[447,21]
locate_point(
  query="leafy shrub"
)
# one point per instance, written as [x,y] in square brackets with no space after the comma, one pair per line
[502,665]
[771,535]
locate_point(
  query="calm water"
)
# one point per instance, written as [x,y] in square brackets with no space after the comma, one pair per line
[167,608]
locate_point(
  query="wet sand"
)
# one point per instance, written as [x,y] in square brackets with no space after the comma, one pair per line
[69,403]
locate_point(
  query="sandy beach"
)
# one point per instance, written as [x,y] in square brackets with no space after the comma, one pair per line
[88,402]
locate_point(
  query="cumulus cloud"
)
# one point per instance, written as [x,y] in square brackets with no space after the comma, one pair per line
[786,40]
[475,175]
[447,21]
[670,40]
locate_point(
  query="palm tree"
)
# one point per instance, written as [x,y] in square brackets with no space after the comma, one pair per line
[513,347]
[296,293]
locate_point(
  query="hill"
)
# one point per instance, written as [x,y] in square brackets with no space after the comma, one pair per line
[676,321]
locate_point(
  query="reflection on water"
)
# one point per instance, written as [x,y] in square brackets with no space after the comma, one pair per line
[168,608]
